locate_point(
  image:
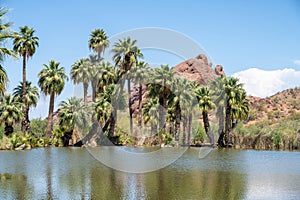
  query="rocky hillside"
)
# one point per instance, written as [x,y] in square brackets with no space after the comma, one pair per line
[198,69]
[278,106]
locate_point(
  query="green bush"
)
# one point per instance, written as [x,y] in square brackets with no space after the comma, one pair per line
[38,127]
[200,135]
[1,132]
[276,136]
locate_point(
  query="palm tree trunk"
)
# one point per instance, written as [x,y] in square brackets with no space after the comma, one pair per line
[99,56]
[207,127]
[93,91]
[184,124]
[113,123]
[85,88]
[24,121]
[220,113]
[26,116]
[129,106]
[189,128]
[140,105]
[50,116]
[177,120]
[227,126]
[162,110]
[9,129]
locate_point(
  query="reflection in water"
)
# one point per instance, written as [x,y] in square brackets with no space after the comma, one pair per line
[71,173]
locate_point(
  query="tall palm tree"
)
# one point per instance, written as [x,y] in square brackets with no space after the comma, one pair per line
[52,81]
[139,74]
[25,45]
[161,82]
[94,72]
[125,46]
[234,95]
[151,113]
[107,75]
[80,73]
[127,52]
[73,117]
[98,42]
[10,113]
[104,104]
[217,86]
[205,104]
[240,110]
[181,99]
[32,95]
[5,34]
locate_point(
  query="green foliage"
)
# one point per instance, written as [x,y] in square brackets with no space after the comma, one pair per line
[167,139]
[1,131]
[123,137]
[249,130]
[57,134]
[200,135]
[20,138]
[276,137]
[38,127]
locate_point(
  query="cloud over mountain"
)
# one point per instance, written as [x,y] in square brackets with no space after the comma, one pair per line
[263,83]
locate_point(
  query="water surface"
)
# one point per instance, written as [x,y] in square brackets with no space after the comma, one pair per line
[72,173]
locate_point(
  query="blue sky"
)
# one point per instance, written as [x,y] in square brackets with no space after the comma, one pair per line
[236,34]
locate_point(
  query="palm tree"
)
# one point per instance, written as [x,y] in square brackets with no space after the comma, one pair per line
[240,110]
[130,52]
[104,103]
[107,75]
[98,42]
[151,113]
[125,46]
[94,72]
[184,102]
[32,95]
[25,45]
[10,113]
[205,104]
[52,81]
[161,81]
[4,35]
[234,95]
[73,118]
[80,73]
[3,80]
[139,74]
[218,96]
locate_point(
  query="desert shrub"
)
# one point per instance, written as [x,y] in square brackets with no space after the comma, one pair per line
[38,127]
[276,136]
[200,135]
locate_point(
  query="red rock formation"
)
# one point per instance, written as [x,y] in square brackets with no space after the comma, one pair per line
[197,69]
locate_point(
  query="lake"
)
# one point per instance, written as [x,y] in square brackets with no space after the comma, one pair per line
[76,173]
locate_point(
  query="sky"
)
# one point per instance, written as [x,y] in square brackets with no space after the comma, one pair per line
[256,41]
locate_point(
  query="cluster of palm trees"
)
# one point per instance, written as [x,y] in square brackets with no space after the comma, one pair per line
[169,108]
[15,107]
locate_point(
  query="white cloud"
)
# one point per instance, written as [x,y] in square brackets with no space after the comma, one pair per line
[263,83]
[297,62]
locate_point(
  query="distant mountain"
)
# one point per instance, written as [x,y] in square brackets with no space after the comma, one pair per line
[278,106]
